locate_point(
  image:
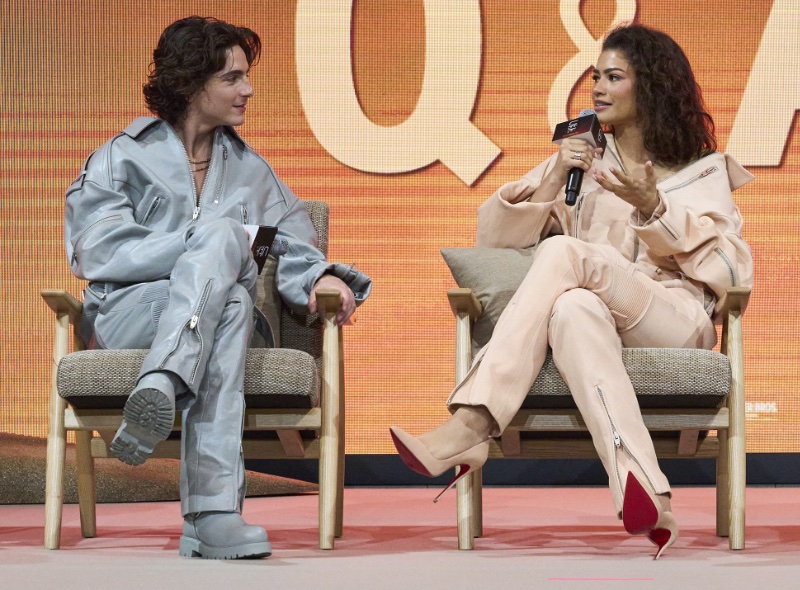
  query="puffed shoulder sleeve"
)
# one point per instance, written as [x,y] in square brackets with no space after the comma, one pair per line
[699,226]
[104,242]
[509,219]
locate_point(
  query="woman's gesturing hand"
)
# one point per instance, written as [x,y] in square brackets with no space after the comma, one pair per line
[639,192]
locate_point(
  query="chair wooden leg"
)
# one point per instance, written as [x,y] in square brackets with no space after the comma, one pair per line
[738,490]
[477,503]
[340,471]
[469,512]
[723,486]
[54,485]
[737,452]
[330,435]
[328,469]
[87,495]
[339,499]
[56,443]
[464,511]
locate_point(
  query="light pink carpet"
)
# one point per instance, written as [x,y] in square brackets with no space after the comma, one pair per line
[397,538]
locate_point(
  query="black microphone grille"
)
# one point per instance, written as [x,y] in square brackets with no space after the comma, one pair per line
[587,112]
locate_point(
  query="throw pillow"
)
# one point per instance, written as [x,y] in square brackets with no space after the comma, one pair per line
[493,274]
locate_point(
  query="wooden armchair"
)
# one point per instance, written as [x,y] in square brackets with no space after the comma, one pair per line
[685,396]
[298,388]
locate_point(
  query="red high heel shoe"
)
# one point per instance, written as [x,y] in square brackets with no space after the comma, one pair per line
[641,516]
[418,458]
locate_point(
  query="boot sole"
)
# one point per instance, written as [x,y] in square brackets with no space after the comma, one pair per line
[148,419]
[191,547]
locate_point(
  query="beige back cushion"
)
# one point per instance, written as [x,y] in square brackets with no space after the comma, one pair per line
[493,274]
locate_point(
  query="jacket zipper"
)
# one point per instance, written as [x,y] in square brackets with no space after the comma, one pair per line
[151,209]
[221,177]
[694,178]
[115,217]
[578,214]
[619,444]
[668,230]
[195,196]
[191,324]
[198,199]
[727,262]
[243,209]
[703,174]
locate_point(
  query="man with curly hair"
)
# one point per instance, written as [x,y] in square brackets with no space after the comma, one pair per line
[155,223]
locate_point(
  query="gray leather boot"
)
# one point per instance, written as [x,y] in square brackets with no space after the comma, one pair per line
[148,418]
[222,535]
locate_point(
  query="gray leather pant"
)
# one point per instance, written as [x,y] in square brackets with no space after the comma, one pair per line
[197,325]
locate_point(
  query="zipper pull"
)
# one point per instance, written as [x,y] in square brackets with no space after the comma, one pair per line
[225,158]
[707,171]
[617,440]
[193,322]
[196,213]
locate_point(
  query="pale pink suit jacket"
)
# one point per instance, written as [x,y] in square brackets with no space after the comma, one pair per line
[692,241]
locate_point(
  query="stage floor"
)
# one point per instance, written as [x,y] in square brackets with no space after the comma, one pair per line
[397,538]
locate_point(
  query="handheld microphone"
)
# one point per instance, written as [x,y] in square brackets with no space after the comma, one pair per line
[586,127]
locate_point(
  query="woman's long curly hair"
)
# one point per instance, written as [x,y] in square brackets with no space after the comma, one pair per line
[189,52]
[669,104]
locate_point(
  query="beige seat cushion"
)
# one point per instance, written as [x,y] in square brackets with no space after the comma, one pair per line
[662,377]
[274,378]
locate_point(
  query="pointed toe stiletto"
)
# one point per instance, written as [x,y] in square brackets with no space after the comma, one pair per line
[418,458]
[641,516]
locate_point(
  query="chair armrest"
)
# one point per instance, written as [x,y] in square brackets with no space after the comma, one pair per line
[735,300]
[62,302]
[462,301]
[731,315]
[328,301]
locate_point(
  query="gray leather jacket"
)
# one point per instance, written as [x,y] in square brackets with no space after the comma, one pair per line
[132,208]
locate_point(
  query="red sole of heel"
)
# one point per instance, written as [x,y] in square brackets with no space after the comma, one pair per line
[639,514]
[409,458]
[663,538]
[660,536]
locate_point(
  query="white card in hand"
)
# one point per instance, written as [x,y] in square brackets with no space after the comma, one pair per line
[252,231]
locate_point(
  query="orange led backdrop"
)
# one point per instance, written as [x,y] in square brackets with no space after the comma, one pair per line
[404,116]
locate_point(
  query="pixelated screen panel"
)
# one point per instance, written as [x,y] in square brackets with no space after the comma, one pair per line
[436,105]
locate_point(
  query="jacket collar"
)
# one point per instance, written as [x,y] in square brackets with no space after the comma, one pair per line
[140,124]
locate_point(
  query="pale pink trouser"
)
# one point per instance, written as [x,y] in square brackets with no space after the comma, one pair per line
[586,301]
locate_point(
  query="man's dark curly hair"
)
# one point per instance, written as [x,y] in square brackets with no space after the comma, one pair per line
[189,52]
[669,104]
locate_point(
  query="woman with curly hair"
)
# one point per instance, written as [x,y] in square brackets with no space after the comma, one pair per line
[156,224]
[642,259]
